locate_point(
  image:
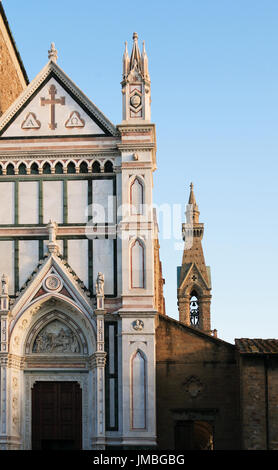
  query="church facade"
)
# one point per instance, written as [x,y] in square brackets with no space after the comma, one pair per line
[89,359]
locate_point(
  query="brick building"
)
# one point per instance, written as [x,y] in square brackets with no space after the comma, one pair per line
[83,322]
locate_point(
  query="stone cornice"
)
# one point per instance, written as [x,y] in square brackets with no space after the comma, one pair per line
[58,154]
[144,147]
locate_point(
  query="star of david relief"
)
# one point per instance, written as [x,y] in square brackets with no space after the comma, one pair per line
[30,122]
[74,121]
[52,102]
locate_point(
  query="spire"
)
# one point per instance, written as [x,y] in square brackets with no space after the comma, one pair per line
[52,53]
[136,86]
[192,211]
[126,62]
[144,59]
[194,283]
[135,58]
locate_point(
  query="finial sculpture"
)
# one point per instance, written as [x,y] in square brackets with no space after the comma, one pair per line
[52,231]
[52,53]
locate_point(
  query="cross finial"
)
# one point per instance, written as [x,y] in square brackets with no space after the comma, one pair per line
[52,53]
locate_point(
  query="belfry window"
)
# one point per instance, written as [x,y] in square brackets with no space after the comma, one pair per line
[194,309]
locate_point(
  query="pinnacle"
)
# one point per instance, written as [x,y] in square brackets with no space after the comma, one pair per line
[192,199]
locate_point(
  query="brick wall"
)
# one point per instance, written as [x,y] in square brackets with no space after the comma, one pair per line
[10,84]
[259,402]
[188,361]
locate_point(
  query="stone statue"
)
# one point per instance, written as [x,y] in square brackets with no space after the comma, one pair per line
[100,291]
[100,284]
[5,284]
[52,232]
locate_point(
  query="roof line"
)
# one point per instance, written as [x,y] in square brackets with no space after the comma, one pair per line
[3,14]
[196,330]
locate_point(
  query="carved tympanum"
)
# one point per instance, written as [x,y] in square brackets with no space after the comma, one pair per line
[56,337]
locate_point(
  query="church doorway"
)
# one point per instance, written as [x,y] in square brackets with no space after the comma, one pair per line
[193,435]
[56,416]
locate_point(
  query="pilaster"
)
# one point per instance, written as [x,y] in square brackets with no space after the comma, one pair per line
[98,366]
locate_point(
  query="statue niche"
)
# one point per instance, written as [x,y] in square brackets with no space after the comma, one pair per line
[56,337]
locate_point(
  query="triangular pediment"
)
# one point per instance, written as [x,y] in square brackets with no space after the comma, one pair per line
[53,106]
[191,276]
[53,278]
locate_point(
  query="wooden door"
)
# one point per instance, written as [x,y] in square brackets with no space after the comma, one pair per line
[56,416]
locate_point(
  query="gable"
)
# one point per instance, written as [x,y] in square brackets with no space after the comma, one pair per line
[176,341]
[53,277]
[194,274]
[53,106]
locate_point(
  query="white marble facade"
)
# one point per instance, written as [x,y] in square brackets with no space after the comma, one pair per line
[57,324]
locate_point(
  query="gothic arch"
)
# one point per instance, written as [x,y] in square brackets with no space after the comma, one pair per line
[34,312]
[46,168]
[137,194]
[59,167]
[137,264]
[138,389]
[71,341]
[21,168]
[71,167]
[96,166]
[10,168]
[82,166]
[108,166]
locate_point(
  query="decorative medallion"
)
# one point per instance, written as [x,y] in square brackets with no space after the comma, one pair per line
[193,386]
[74,121]
[53,283]
[138,325]
[135,101]
[30,122]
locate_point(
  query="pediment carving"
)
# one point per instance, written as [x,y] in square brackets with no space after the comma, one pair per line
[56,337]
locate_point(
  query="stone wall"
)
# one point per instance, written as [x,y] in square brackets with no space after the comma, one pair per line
[12,80]
[197,378]
[259,402]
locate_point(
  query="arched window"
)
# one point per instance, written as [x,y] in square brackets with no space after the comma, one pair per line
[138,390]
[59,168]
[137,265]
[96,167]
[22,169]
[108,167]
[10,169]
[34,169]
[136,197]
[83,168]
[46,168]
[194,309]
[71,167]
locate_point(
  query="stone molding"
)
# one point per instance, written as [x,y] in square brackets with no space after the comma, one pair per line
[30,379]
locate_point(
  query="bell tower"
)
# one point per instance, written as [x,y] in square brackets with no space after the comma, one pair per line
[194,283]
[136,84]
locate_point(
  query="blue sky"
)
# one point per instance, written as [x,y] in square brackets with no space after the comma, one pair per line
[214,74]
